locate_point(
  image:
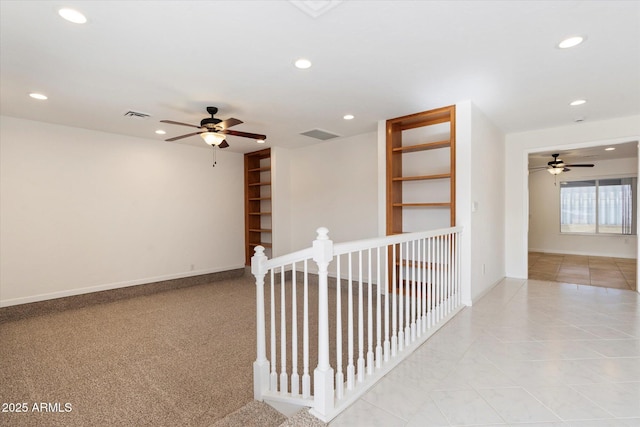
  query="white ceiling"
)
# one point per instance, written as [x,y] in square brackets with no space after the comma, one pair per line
[373,59]
[586,155]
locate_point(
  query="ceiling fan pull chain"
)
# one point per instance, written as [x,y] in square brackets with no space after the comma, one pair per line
[214,157]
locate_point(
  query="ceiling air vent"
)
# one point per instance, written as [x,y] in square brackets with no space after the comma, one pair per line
[319,134]
[137,114]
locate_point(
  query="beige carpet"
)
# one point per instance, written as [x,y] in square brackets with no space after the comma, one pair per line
[159,360]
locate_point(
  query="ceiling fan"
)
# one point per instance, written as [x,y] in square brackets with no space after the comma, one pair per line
[214,130]
[557,166]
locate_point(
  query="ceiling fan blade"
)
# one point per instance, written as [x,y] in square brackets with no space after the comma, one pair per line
[228,123]
[223,144]
[581,166]
[175,138]
[179,123]
[243,134]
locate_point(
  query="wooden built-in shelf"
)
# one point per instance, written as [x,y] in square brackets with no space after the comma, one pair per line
[262,169]
[423,205]
[404,148]
[422,177]
[257,202]
[422,147]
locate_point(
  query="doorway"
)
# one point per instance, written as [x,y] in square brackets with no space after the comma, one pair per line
[560,247]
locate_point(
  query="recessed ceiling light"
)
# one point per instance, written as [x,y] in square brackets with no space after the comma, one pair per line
[260,141]
[160,132]
[38,96]
[303,63]
[609,148]
[570,42]
[578,102]
[72,15]
[348,117]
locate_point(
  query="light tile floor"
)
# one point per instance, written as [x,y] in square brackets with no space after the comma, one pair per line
[529,353]
[583,270]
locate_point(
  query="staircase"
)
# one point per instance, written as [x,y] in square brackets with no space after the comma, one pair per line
[260,414]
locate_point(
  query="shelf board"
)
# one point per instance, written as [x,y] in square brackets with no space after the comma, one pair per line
[425,205]
[260,230]
[422,147]
[259,198]
[422,177]
[254,184]
[262,169]
[259,213]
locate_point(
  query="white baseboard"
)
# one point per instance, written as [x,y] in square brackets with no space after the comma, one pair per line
[110,286]
[582,253]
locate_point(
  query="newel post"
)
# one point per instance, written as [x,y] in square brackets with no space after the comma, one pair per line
[323,375]
[261,365]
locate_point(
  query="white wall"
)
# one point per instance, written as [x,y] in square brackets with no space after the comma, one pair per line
[519,145]
[487,204]
[479,199]
[335,185]
[544,213]
[82,211]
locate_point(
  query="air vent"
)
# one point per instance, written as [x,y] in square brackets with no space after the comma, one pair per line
[137,114]
[315,8]
[319,134]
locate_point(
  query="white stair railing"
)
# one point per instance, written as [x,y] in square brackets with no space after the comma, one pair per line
[398,290]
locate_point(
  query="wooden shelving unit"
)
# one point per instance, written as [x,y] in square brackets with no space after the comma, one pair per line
[421,153]
[421,177]
[257,202]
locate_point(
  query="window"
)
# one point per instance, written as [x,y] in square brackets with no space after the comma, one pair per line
[599,206]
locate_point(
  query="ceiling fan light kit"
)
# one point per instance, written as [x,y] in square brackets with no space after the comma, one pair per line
[212,138]
[214,131]
[558,166]
[555,171]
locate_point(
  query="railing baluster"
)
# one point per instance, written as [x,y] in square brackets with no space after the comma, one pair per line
[295,378]
[350,326]
[339,374]
[386,348]
[306,378]
[274,373]
[360,369]
[284,378]
[414,261]
[449,273]
[394,304]
[407,298]
[458,276]
[440,277]
[401,300]
[378,311]
[425,272]
[370,360]
[418,294]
